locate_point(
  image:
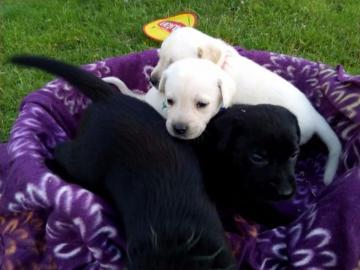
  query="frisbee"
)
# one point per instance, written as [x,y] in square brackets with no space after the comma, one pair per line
[159,29]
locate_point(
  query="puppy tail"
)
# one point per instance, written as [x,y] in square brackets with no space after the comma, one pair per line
[328,136]
[122,87]
[90,85]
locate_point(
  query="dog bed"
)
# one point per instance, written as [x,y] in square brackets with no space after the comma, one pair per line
[47,223]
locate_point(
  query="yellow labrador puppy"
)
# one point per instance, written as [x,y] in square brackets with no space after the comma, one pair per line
[191,92]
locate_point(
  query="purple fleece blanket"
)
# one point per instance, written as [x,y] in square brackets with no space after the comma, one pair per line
[47,223]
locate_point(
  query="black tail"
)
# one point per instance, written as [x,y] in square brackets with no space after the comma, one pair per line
[92,86]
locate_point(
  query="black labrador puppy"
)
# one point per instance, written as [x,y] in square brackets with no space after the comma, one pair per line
[248,155]
[124,152]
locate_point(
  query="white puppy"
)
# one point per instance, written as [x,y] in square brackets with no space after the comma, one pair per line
[195,90]
[191,92]
[254,85]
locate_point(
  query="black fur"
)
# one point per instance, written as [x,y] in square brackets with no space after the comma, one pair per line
[248,156]
[123,151]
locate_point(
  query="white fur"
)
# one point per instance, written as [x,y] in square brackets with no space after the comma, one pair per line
[153,97]
[254,85]
[187,82]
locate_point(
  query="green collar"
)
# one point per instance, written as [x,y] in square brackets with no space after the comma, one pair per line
[164,106]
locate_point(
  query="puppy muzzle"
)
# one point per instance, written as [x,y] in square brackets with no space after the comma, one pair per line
[282,190]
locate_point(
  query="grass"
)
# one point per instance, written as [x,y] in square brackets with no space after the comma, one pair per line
[81,31]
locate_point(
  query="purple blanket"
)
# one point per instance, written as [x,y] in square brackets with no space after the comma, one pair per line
[47,223]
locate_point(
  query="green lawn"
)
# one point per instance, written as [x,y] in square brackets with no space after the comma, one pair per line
[82,31]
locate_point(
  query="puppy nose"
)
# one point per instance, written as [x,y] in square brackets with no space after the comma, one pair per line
[283,191]
[180,128]
[286,191]
[154,81]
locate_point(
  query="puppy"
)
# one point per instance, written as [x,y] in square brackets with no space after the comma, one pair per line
[190,93]
[248,155]
[254,85]
[123,150]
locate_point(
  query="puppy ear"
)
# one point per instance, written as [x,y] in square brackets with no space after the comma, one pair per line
[227,89]
[219,131]
[211,52]
[221,128]
[162,82]
[297,127]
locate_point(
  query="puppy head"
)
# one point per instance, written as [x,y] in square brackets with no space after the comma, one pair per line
[195,90]
[186,42]
[258,146]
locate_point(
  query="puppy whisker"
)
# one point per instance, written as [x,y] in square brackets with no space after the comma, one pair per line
[154,237]
[191,238]
[190,243]
[209,257]
[127,252]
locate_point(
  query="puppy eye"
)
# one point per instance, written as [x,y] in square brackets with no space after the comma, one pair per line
[294,155]
[171,61]
[201,105]
[170,101]
[259,160]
